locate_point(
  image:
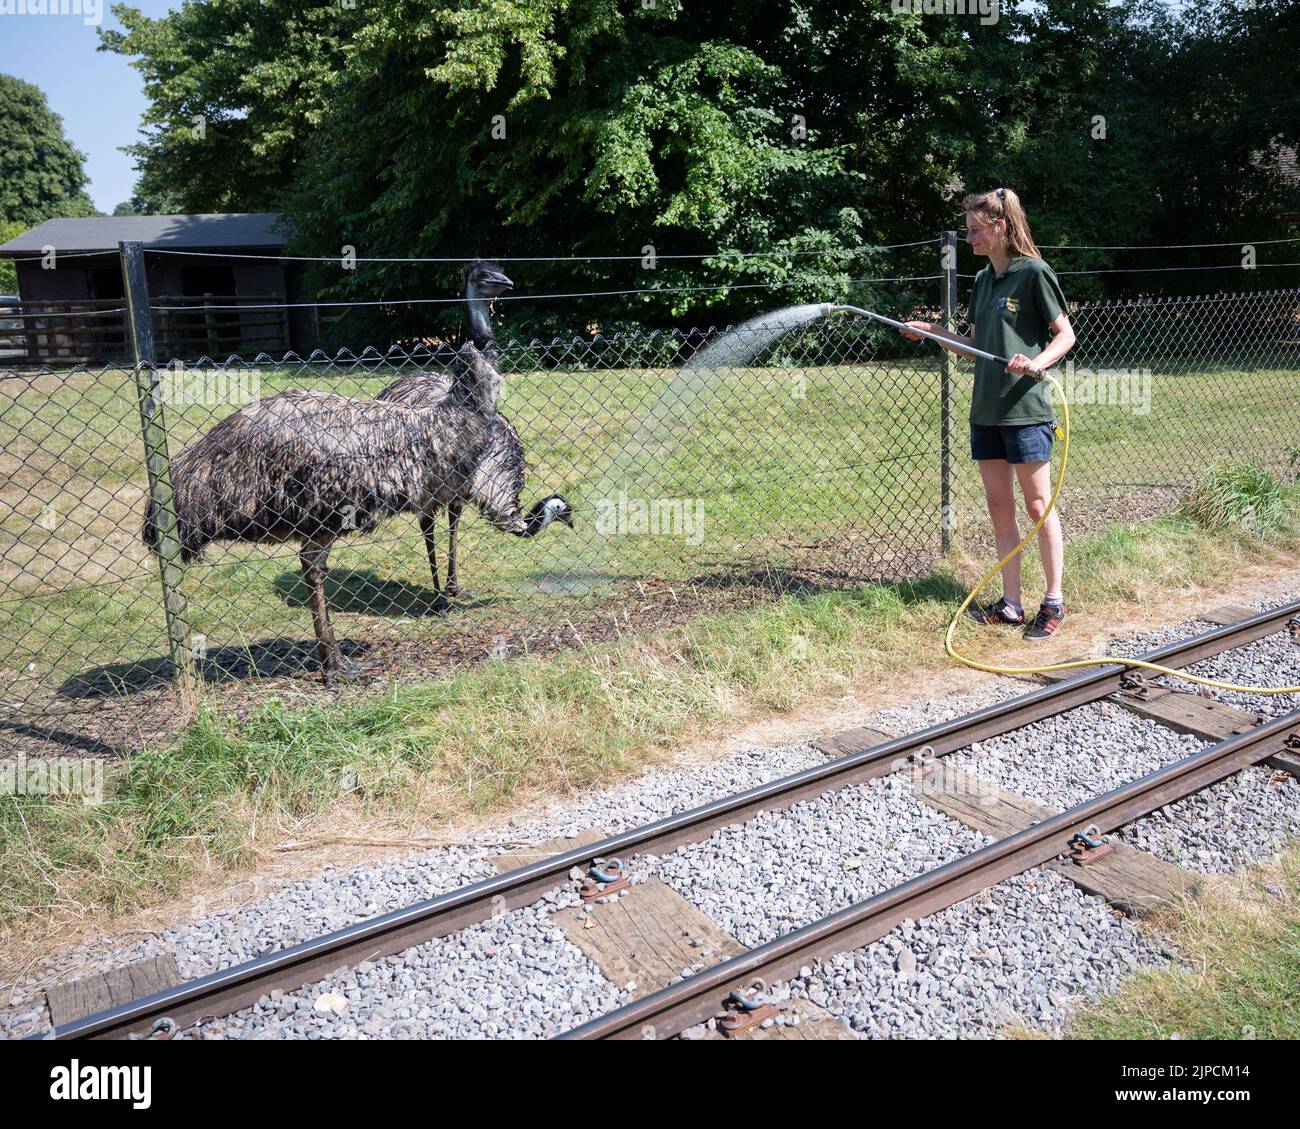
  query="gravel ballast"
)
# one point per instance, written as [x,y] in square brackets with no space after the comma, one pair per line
[1271,661]
[297,911]
[1064,760]
[786,868]
[516,976]
[1023,952]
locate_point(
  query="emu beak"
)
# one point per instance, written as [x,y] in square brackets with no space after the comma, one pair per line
[496,278]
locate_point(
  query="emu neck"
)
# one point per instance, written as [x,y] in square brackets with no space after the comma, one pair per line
[537,520]
[479,325]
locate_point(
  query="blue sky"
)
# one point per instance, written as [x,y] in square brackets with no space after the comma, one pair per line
[98,95]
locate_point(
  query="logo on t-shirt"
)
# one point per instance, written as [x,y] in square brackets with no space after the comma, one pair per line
[1010,304]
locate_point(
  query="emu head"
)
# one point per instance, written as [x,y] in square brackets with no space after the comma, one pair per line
[555,507]
[485,279]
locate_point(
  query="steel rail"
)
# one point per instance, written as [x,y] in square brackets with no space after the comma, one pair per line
[240,986]
[671,1010]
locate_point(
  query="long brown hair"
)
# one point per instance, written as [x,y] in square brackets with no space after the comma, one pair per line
[1004,204]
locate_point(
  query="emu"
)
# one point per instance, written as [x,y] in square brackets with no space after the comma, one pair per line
[498,480]
[313,466]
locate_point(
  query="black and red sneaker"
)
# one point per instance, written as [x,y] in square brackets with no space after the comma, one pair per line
[1046,622]
[999,612]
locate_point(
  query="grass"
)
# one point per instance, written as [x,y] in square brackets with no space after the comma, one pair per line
[509,731]
[786,462]
[82,593]
[1237,492]
[1239,971]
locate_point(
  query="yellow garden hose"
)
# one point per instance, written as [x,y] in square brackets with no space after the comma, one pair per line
[1075,664]
[827,309]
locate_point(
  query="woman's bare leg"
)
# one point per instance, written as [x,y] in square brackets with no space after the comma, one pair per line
[1036,485]
[1000,492]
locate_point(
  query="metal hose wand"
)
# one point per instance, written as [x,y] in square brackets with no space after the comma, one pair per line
[968,350]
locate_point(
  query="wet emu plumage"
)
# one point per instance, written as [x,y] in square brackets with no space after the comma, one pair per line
[311,467]
[498,480]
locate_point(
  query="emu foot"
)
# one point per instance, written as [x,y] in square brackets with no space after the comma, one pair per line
[344,672]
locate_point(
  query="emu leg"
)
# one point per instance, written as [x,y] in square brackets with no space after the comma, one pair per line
[453,522]
[429,527]
[315,568]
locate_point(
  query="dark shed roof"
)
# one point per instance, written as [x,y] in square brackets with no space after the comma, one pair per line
[200,232]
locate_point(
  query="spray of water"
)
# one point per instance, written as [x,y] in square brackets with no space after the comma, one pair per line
[647,449]
[740,345]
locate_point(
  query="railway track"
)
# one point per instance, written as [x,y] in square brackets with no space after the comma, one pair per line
[694,1000]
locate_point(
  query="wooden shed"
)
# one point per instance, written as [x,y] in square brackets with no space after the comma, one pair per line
[70,289]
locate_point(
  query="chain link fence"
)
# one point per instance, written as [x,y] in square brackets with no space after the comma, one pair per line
[1159,389]
[810,460]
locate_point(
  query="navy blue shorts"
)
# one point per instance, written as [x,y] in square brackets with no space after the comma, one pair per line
[1024,443]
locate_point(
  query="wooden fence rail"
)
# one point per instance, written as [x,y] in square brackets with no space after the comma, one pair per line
[95,330]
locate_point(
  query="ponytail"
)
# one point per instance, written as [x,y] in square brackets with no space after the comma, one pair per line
[1004,204]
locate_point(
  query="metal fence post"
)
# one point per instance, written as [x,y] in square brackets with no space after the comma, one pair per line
[153,429]
[948,300]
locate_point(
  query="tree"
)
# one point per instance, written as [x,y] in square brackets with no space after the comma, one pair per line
[235,89]
[41,174]
[1227,111]
[375,127]
[8,270]
[167,203]
[543,127]
[777,142]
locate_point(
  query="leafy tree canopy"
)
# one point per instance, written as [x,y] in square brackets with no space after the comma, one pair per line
[782,139]
[8,271]
[41,174]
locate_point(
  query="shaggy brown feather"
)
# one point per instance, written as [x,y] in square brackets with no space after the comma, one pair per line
[498,480]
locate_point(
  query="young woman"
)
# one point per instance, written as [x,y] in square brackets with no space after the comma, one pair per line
[1017,310]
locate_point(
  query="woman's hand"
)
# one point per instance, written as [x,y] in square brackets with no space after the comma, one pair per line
[925,325]
[1020,365]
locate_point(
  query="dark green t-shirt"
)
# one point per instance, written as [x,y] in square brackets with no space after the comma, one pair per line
[1011,314]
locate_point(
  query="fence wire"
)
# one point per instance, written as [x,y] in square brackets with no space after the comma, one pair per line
[808,462]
